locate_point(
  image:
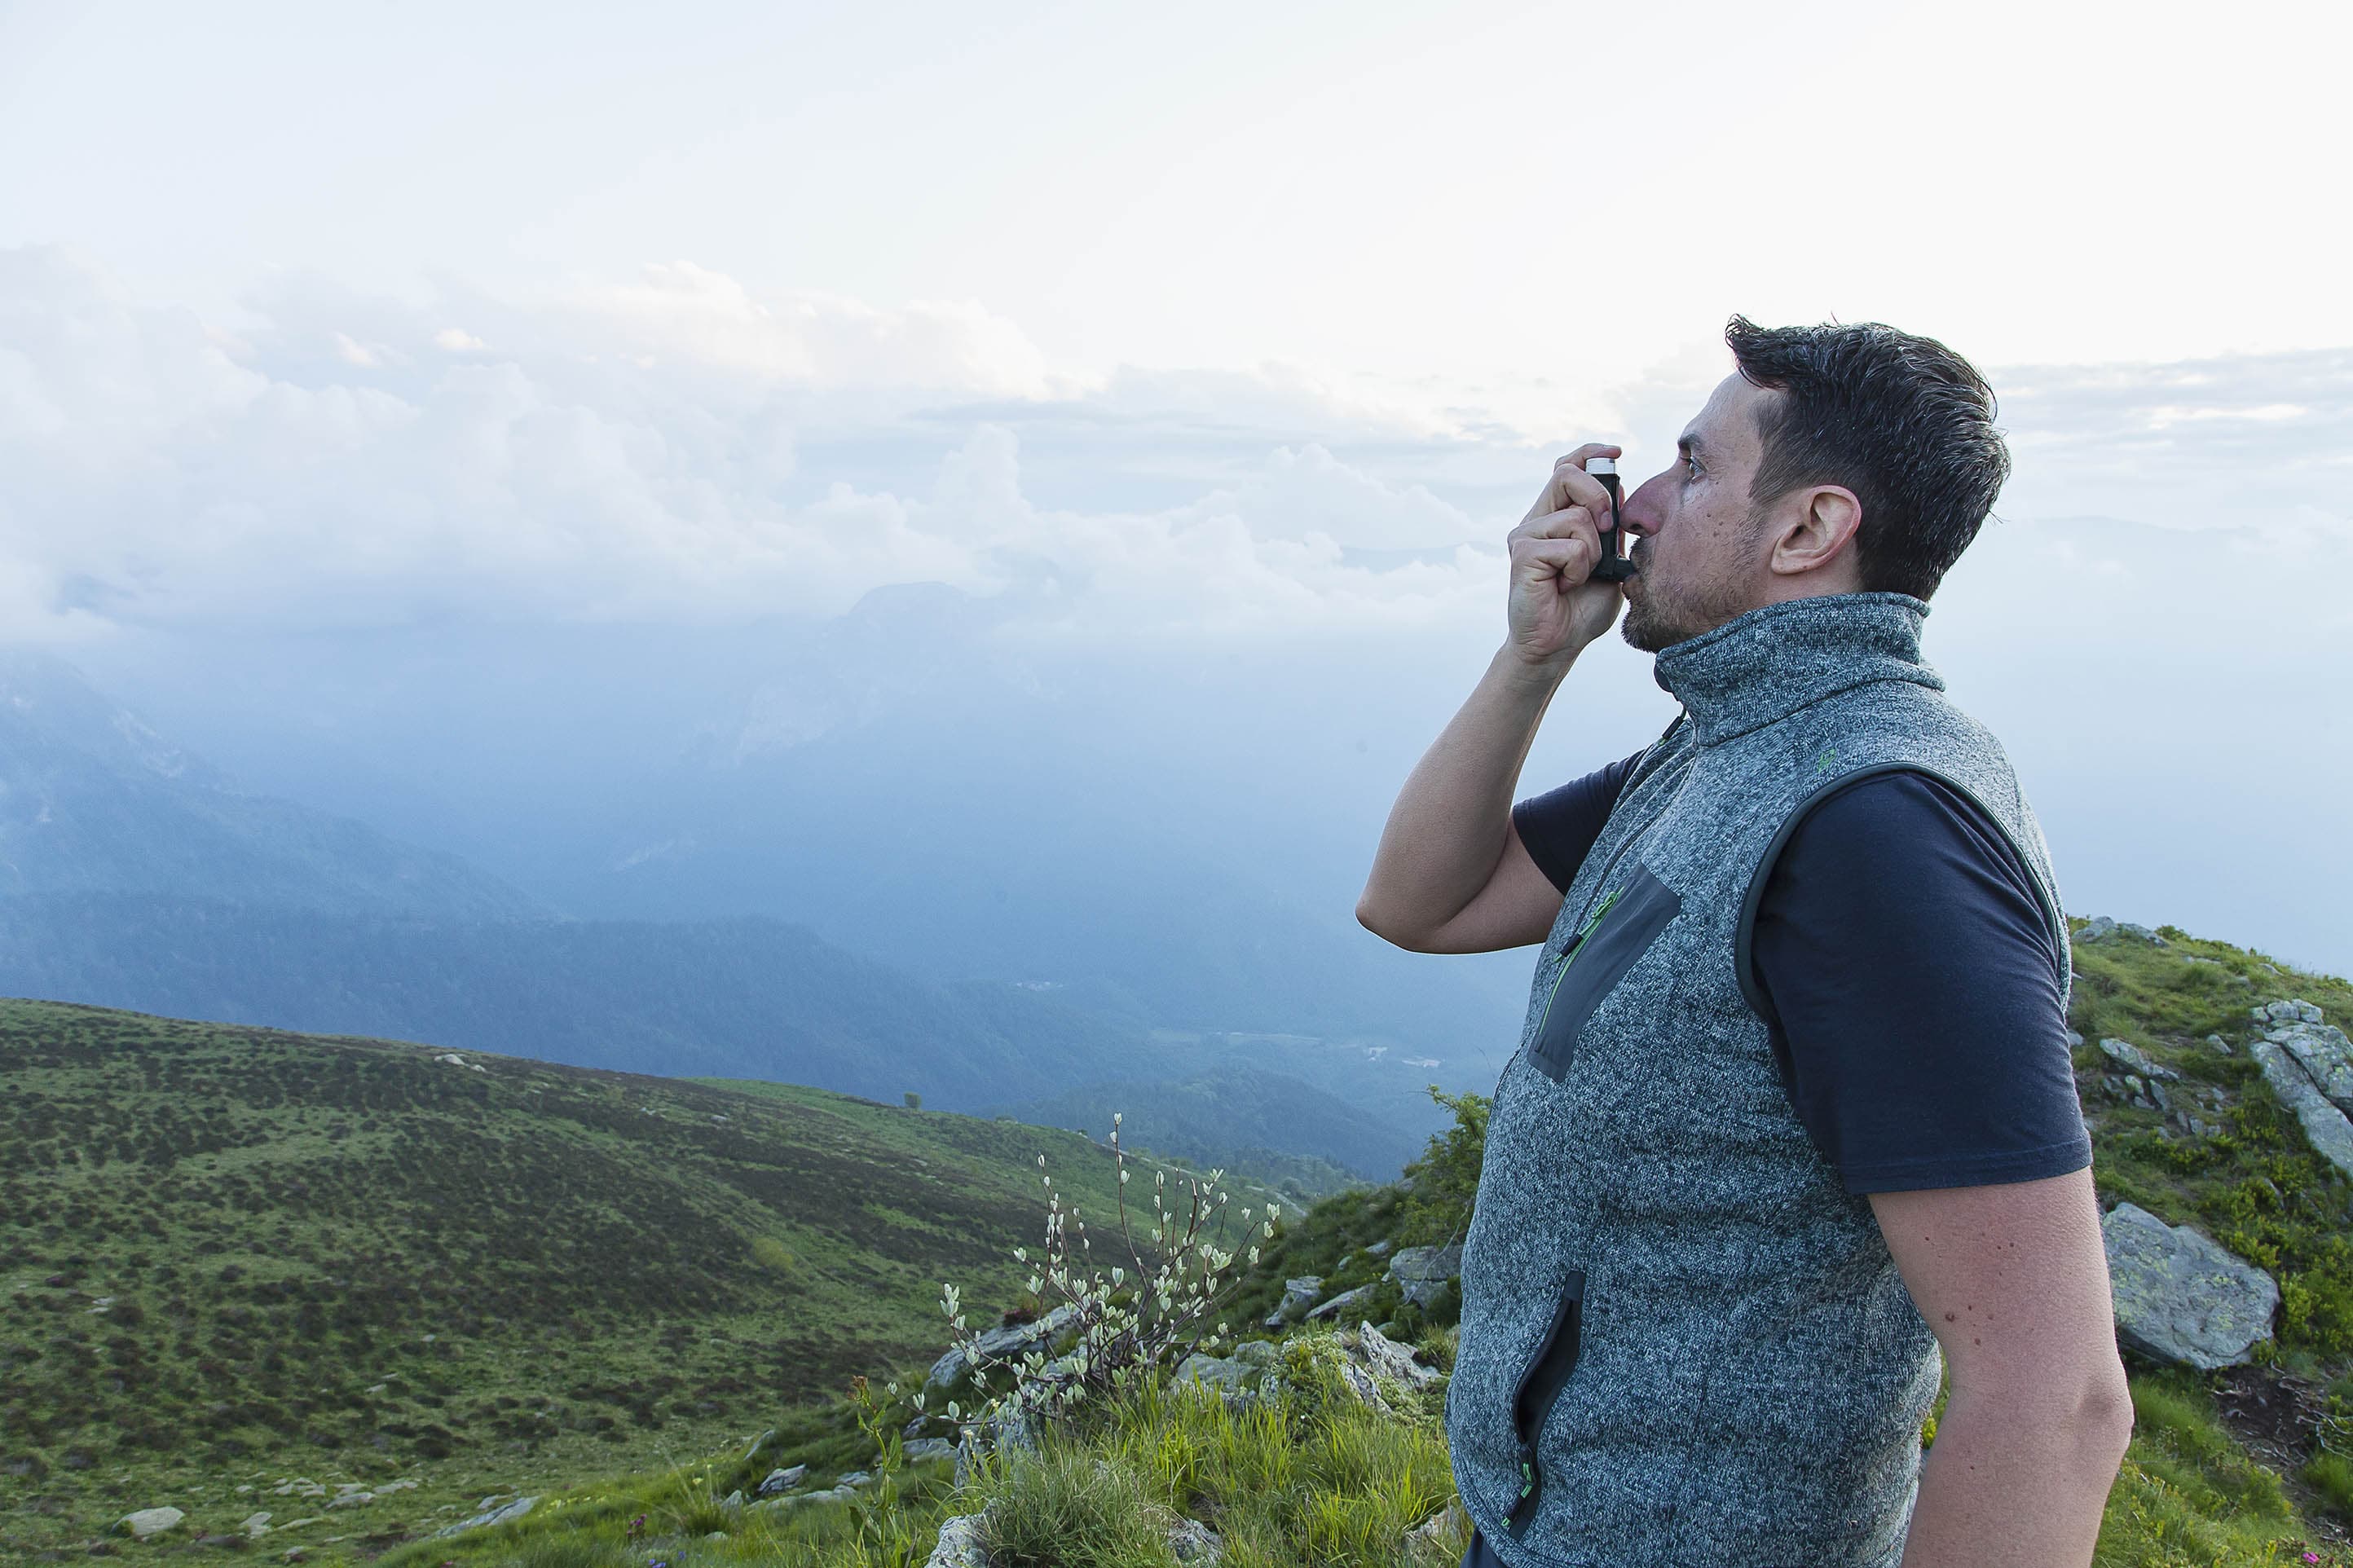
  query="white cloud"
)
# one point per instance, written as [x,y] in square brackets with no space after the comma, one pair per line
[678,449]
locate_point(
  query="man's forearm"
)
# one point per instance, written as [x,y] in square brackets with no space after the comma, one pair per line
[2007,1485]
[1446,828]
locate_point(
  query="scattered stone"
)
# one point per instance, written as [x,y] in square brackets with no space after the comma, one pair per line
[2103,929]
[2324,1126]
[256,1526]
[2132,1058]
[2157,1092]
[1340,1303]
[1298,1296]
[2219,1044]
[351,1500]
[1434,1536]
[2179,1298]
[783,1481]
[959,1545]
[1422,1272]
[2292,1012]
[922,1448]
[734,1498]
[1191,1542]
[1359,1382]
[1381,1249]
[1223,1375]
[1259,1354]
[716,1535]
[1392,1360]
[854,1478]
[1003,1342]
[758,1443]
[505,1515]
[2074,1040]
[147,1521]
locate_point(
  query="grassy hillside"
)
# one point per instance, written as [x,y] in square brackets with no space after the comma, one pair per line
[234,1257]
[2228,1470]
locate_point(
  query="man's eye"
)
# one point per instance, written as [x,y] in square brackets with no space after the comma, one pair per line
[1691,467]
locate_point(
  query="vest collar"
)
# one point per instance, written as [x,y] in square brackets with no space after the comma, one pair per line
[1766,665]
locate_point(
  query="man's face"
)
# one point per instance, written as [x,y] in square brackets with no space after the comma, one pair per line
[1698,543]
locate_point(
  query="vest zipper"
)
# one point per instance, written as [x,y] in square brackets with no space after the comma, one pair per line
[1570,956]
[1545,1376]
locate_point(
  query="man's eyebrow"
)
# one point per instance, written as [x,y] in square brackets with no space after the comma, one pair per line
[1691,446]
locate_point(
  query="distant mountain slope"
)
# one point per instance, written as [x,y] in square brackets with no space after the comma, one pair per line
[91,800]
[233,1247]
[730,998]
[1233,1116]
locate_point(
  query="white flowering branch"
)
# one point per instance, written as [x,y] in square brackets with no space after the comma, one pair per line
[1124,1329]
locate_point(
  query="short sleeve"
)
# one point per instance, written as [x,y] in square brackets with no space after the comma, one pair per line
[1916,988]
[1559,825]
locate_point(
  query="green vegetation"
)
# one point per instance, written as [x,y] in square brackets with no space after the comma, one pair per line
[243,1268]
[576,1258]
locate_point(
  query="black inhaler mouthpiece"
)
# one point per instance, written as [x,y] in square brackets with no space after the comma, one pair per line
[1612,567]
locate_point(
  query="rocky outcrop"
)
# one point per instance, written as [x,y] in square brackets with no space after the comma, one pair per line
[959,1545]
[1004,1342]
[784,1480]
[1422,1272]
[2179,1298]
[1389,1358]
[1298,1296]
[2304,1060]
[1340,1303]
[2133,1059]
[2319,1048]
[2103,929]
[502,1515]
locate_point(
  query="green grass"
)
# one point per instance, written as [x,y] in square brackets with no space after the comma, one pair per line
[239,1260]
[278,1220]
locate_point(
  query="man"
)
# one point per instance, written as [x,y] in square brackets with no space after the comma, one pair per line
[1792,1111]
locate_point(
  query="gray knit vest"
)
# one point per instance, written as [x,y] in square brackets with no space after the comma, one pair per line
[1683,1338]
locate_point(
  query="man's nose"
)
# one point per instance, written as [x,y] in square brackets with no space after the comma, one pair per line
[1644,510]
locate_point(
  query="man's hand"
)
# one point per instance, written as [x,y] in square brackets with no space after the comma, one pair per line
[1555,609]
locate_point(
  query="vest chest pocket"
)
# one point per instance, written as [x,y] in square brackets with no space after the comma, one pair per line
[1621,929]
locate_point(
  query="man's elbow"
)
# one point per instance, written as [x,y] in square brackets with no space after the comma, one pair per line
[1384,923]
[2104,1412]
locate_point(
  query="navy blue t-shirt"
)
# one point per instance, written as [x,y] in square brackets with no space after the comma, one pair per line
[1915,982]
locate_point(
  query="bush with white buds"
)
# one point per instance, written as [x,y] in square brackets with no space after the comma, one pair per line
[1125,1329]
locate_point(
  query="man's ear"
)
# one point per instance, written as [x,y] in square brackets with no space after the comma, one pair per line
[1820,532]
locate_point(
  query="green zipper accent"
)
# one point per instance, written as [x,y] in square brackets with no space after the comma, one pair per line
[1575,948]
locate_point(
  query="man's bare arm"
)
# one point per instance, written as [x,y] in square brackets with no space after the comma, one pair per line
[2013,1280]
[1450,874]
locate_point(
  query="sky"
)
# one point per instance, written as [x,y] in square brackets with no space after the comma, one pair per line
[1245,330]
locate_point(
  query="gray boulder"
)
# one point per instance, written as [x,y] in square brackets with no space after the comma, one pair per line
[1391,1360]
[1421,1272]
[854,1478]
[1340,1303]
[1004,1342]
[1259,1354]
[147,1521]
[2181,1298]
[505,1515]
[2132,1058]
[1223,1374]
[783,1481]
[1194,1544]
[1298,1296]
[2324,1126]
[2322,1048]
[922,1448]
[959,1545]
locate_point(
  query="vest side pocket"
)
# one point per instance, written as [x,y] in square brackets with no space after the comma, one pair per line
[1629,921]
[1538,1390]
